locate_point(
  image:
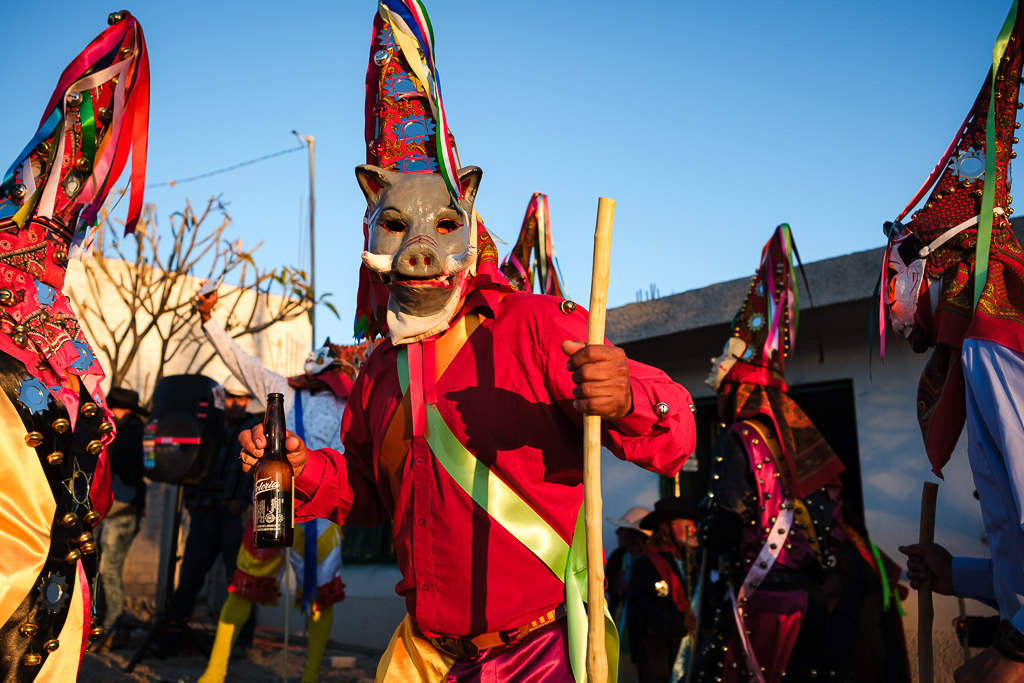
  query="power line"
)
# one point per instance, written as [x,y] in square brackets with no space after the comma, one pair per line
[172,183]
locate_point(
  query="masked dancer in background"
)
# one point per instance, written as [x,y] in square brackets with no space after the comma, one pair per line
[54,420]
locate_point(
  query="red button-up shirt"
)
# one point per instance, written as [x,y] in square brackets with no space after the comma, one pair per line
[507,396]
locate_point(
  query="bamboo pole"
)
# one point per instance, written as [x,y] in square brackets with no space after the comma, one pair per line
[597,657]
[925,611]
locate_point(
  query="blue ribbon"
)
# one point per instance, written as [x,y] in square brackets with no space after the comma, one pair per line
[308,528]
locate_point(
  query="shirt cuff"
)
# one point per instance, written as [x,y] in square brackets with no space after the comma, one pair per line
[645,414]
[307,483]
[972,578]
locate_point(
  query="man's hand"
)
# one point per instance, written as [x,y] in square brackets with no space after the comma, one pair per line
[204,304]
[929,560]
[253,444]
[990,666]
[601,375]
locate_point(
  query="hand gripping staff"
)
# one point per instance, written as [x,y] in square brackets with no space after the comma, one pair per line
[597,659]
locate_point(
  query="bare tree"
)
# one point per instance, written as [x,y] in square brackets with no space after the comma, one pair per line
[154,275]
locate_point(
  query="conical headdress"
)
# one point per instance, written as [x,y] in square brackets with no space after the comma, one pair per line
[406,130]
[98,113]
[768,319]
[970,185]
[533,255]
[51,195]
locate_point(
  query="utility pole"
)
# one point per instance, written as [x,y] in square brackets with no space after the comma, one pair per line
[312,238]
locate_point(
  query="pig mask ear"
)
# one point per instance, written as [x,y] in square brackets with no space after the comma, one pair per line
[469,180]
[372,180]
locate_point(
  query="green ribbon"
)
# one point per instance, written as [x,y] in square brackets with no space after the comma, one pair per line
[988,194]
[566,561]
[88,120]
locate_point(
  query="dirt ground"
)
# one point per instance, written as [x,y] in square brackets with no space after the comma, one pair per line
[264,662]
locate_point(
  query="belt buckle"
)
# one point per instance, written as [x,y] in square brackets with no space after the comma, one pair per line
[462,648]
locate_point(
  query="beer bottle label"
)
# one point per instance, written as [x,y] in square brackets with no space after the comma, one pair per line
[273,509]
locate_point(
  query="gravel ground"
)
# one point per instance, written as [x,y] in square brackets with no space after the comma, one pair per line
[261,663]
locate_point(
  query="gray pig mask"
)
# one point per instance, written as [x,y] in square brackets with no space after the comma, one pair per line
[421,243]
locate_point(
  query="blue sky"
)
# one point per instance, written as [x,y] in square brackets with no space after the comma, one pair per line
[708,123]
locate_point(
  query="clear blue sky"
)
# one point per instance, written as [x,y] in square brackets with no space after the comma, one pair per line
[709,123]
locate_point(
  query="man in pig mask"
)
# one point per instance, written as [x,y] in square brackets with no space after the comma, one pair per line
[465,424]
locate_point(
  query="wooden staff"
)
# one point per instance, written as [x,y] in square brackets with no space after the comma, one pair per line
[925,612]
[597,657]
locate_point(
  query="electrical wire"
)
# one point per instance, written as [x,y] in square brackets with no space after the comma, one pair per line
[172,183]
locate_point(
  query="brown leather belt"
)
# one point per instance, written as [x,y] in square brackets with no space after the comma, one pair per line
[469,647]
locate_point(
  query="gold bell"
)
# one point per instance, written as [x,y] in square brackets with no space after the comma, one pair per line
[89,409]
[94,447]
[51,645]
[96,632]
[88,548]
[70,519]
[86,537]
[91,517]
[72,556]
[28,630]
[105,428]
[43,148]
[61,425]
[55,458]
[104,114]
[74,99]
[19,192]
[60,258]
[124,52]
[115,17]
[33,439]
[83,165]
[21,340]
[31,659]
[6,296]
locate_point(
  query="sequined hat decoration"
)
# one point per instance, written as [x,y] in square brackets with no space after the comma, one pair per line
[96,116]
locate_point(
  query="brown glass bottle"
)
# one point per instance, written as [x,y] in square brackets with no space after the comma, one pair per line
[273,490]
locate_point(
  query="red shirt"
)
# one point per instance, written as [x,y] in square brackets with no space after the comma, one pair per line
[507,396]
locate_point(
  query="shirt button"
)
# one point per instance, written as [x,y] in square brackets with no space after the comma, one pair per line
[421,522]
[424,587]
[661,409]
[421,459]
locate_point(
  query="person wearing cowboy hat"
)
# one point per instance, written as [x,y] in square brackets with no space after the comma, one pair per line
[631,541]
[658,611]
[119,528]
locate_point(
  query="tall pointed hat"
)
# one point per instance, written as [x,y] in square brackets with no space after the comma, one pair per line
[756,385]
[960,238]
[768,319]
[533,256]
[407,132]
[51,195]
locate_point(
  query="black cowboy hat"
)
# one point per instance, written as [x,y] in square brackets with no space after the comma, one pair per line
[667,509]
[125,398]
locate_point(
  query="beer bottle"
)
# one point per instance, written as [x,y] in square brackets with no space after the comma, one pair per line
[273,489]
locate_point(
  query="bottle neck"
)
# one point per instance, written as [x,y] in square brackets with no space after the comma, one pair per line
[274,429]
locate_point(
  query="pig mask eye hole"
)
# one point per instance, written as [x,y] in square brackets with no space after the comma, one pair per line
[394,225]
[446,225]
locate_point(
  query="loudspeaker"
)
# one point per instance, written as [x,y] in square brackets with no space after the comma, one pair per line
[180,440]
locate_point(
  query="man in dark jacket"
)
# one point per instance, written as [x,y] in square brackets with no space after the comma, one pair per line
[121,524]
[661,582]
